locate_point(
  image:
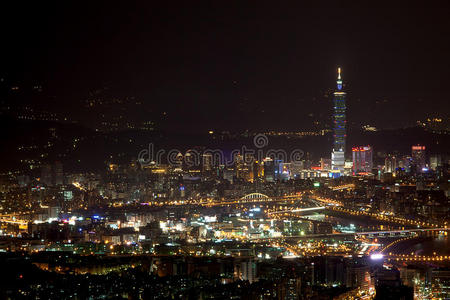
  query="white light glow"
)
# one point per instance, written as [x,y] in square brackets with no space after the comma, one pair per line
[376,256]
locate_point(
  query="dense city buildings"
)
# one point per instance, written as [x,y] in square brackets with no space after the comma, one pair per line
[200,217]
[238,224]
[258,223]
[182,151]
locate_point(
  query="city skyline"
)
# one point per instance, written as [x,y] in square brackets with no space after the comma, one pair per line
[225,150]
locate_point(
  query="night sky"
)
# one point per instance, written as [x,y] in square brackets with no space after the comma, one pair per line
[236,64]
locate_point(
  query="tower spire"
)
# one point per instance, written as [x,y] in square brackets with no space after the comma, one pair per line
[339,80]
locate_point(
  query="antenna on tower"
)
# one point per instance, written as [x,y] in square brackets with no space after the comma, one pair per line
[339,73]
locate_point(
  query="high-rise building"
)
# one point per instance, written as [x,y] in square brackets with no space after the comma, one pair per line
[46,175]
[53,212]
[229,174]
[248,270]
[207,162]
[362,159]
[325,163]
[278,167]
[339,132]
[243,169]
[285,171]
[435,162]
[249,161]
[258,170]
[418,157]
[390,164]
[58,173]
[440,283]
[269,169]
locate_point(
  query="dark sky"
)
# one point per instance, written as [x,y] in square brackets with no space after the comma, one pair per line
[237,64]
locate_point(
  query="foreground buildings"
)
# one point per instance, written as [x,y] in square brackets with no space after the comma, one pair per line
[274,238]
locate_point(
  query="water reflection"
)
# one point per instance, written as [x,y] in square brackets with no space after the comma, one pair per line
[424,246]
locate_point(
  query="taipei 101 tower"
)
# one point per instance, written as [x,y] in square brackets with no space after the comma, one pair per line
[339,132]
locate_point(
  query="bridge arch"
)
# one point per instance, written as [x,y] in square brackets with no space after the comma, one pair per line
[255,196]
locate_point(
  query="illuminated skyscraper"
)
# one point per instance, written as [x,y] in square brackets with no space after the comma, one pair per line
[418,157]
[339,119]
[207,162]
[435,162]
[390,164]
[269,169]
[362,159]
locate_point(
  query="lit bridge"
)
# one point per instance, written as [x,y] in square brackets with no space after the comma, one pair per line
[343,187]
[297,210]
[247,199]
[255,197]
[363,233]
